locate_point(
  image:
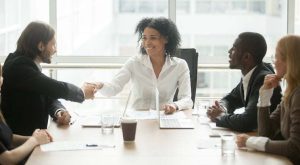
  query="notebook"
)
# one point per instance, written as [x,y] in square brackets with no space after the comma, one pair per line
[94,121]
[174,121]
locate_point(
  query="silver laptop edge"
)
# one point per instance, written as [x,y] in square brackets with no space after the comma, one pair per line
[126,106]
[157,105]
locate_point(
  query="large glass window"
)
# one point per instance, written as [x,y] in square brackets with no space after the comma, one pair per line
[102,28]
[14,16]
[216,23]
[297,17]
[100,103]
[211,26]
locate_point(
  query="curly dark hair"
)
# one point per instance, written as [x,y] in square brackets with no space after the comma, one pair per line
[165,27]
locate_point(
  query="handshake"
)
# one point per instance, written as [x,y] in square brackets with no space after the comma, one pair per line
[89,89]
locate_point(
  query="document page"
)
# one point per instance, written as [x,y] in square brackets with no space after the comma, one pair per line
[74,145]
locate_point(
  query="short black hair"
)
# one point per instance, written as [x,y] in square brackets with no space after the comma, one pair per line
[33,34]
[166,28]
[255,44]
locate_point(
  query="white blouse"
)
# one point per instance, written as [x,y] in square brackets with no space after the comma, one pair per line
[174,74]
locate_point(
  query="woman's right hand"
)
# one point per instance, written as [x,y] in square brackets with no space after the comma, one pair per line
[271,81]
[41,136]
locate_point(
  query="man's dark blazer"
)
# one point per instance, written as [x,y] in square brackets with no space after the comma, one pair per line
[247,121]
[29,96]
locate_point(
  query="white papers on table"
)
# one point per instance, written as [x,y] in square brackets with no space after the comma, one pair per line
[212,143]
[74,145]
[213,125]
[94,121]
[90,121]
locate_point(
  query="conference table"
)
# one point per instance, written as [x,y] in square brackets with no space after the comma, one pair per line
[151,146]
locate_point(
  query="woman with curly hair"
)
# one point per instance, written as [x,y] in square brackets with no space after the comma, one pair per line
[156,67]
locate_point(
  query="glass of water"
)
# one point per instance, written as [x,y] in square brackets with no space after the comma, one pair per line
[201,108]
[107,123]
[228,145]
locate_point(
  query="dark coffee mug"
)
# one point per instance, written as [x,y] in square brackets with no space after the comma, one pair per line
[128,129]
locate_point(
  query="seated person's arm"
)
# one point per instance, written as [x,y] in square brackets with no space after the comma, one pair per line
[89,90]
[215,111]
[116,85]
[247,121]
[184,90]
[36,82]
[19,140]
[226,105]
[170,108]
[18,154]
[58,112]
[63,117]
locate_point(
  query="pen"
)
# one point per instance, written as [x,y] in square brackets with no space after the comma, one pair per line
[91,145]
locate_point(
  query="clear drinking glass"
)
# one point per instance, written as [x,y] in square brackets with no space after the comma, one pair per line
[107,123]
[228,145]
[201,108]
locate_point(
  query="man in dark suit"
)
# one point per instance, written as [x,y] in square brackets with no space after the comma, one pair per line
[246,54]
[28,96]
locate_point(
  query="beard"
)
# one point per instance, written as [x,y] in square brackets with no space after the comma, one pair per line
[235,66]
[45,56]
[232,66]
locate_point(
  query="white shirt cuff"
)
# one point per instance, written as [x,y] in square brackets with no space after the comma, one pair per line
[258,143]
[265,97]
[60,109]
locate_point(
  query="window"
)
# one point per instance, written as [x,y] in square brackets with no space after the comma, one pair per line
[208,83]
[297,17]
[104,30]
[183,6]
[223,20]
[97,28]
[232,6]
[239,5]
[127,6]
[14,16]
[90,75]
[258,6]
[203,6]
[211,26]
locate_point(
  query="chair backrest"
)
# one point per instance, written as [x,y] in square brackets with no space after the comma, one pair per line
[191,57]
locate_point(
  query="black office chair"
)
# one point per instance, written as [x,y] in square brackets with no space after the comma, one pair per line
[191,57]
